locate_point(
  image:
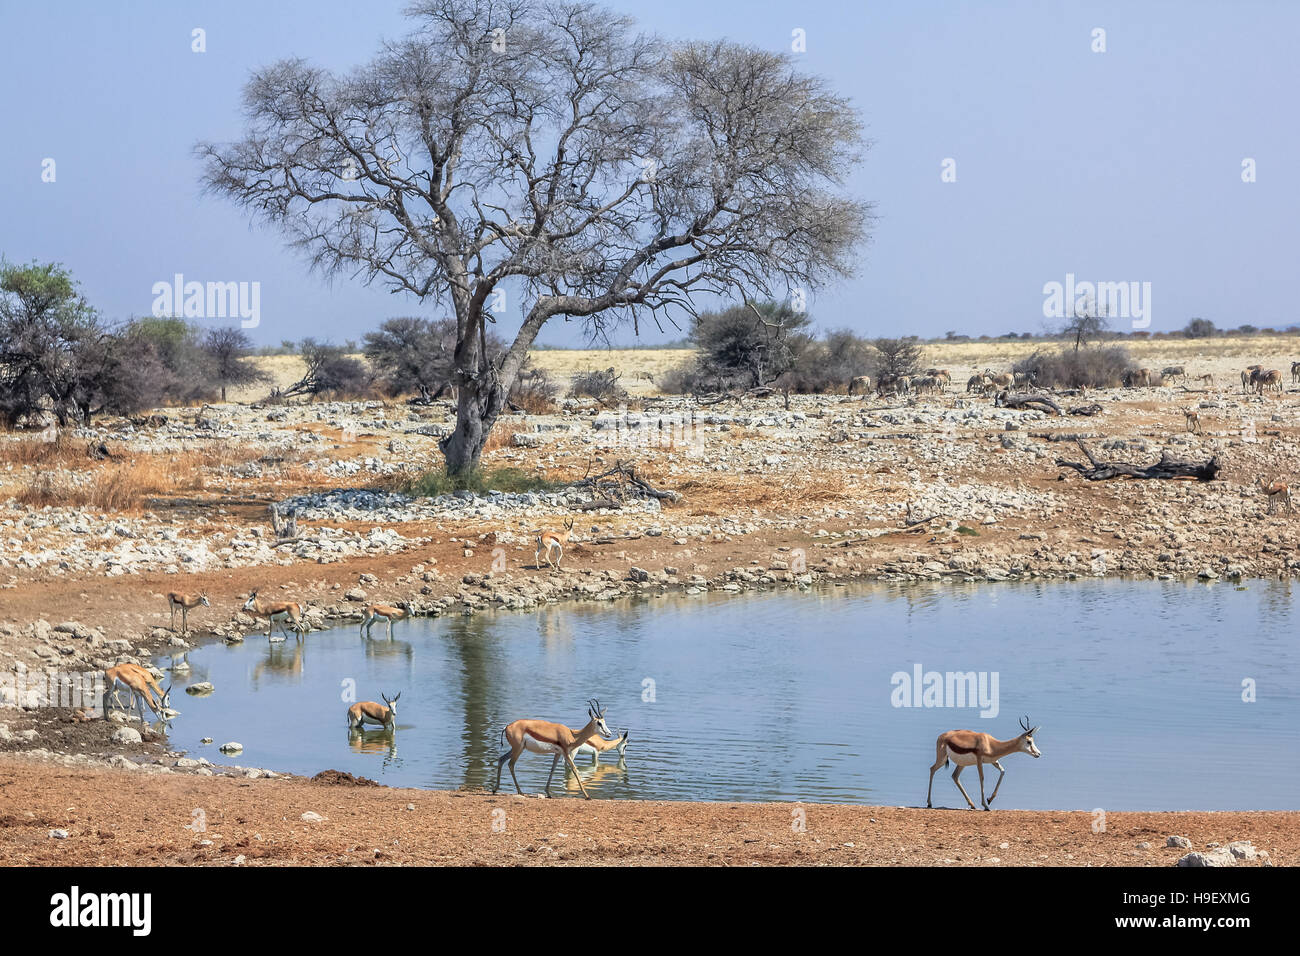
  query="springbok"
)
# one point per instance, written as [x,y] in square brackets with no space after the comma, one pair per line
[277,612]
[597,745]
[367,710]
[177,599]
[552,540]
[564,741]
[966,747]
[386,613]
[140,683]
[1206,379]
[1279,495]
[1193,417]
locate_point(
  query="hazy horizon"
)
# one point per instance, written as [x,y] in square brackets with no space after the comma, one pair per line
[1122,166]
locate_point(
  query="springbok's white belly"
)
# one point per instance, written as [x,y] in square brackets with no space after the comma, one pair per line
[962,760]
[540,746]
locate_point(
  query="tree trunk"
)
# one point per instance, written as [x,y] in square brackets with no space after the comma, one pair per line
[481,389]
[479,403]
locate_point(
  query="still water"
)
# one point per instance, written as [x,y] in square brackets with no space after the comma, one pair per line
[1138,687]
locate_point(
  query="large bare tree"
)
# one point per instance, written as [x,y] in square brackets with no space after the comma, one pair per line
[550,157]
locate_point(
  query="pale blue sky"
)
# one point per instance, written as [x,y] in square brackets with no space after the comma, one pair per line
[1115,166]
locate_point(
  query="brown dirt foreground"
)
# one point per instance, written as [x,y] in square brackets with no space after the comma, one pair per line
[118,818]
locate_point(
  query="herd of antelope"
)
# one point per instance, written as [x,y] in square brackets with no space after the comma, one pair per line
[962,748]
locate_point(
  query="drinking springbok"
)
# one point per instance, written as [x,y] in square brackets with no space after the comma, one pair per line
[966,747]
[595,745]
[177,599]
[386,613]
[1279,495]
[141,685]
[552,540]
[367,710]
[563,740]
[277,612]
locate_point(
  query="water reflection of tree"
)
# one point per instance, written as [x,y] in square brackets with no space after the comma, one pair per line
[483,693]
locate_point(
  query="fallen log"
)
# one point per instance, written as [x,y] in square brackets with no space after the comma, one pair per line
[1027,399]
[1089,410]
[1165,468]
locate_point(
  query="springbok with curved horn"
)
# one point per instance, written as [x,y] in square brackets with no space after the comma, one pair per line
[277,612]
[552,540]
[178,599]
[966,747]
[367,710]
[556,738]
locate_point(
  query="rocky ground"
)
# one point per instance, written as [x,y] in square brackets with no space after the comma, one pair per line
[72,814]
[758,495]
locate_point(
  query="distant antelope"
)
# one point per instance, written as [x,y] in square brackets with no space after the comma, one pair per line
[367,710]
[564,741]
[176,599]
[1270,379]
[1193,418]
[277,612]
[860,381]
[386,613]
[552,540]
[966,747]
[1295,372]
[1206,379]
[1279,495]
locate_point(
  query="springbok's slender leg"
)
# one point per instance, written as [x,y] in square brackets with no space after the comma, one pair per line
[939,760]
[1001,773]
[173,607]
[979,765]
[569,760]
[514,756]
[501,762]
[955,774]
[554,761]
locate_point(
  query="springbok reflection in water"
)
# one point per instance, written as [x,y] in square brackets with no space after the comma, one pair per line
[378,741]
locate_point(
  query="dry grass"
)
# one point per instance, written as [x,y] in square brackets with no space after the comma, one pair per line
[114,486]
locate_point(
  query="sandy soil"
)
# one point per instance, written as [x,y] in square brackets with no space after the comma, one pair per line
[121,818]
